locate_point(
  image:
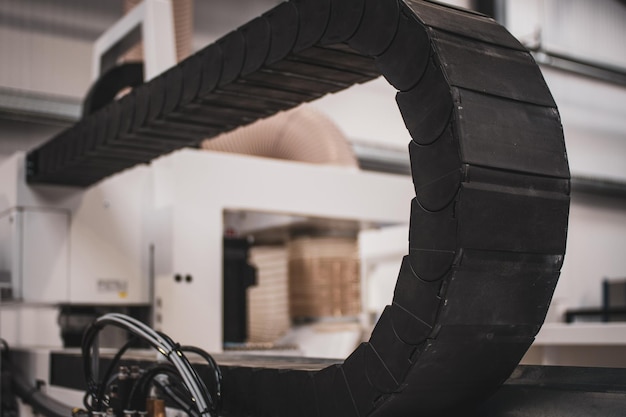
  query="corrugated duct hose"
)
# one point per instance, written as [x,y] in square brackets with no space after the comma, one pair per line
[302,134]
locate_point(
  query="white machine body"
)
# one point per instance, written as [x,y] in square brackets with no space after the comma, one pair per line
[123,240]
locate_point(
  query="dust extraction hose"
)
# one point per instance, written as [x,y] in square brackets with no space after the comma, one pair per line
[301,134]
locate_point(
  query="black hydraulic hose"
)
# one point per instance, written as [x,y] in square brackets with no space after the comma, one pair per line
[214,367]
[170,393]
[41,403]
[111,368]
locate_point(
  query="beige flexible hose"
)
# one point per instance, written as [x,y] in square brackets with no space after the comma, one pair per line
[301,134]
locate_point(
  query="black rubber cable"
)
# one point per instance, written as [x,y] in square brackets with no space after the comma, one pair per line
[213,365]
[41,403]
[202,398]
[141,387]
[168,391]
[111,368]
[31,395]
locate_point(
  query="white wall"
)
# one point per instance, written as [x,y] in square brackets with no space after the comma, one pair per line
[46,45]
[16,136]
[596,248]
[594,122]
[368,113]
[587,30]
[46,64]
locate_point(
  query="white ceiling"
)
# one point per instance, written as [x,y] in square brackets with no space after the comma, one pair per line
[87,19]
[84,19]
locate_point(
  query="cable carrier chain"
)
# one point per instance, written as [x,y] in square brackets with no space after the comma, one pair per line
[488,223]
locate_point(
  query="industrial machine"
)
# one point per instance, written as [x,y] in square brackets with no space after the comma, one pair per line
[487,224]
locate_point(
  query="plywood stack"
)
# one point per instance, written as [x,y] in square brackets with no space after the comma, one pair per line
[268,301]
[324,277]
